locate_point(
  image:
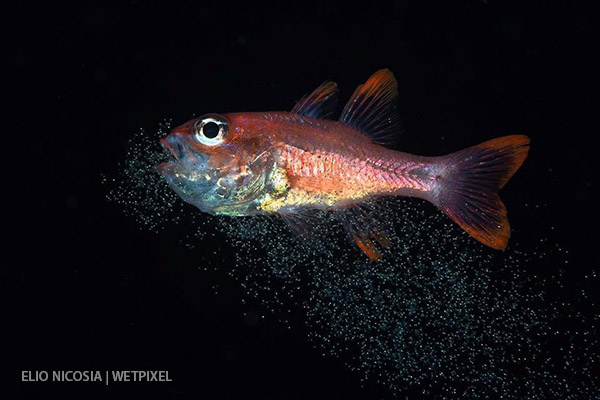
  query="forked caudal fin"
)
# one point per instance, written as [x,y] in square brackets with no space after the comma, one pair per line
[470,182]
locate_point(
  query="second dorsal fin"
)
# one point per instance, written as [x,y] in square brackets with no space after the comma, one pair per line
[321,103]
[373,108]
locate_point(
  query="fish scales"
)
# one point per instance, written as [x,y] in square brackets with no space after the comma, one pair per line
[286,163]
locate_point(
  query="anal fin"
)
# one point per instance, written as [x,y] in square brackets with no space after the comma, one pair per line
[366,230]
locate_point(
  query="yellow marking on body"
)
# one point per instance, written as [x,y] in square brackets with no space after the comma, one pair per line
[282,194]
[296,198]
[327,179]
[274,200]
[280,181]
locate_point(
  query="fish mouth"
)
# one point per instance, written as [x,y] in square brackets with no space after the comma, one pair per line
[183,162]
[175,151]
[174,147]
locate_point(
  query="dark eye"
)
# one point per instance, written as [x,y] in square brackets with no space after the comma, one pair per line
[211,129]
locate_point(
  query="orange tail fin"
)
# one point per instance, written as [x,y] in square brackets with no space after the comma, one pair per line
[470,183]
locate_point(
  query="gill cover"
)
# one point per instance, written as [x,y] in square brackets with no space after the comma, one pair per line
[215,174]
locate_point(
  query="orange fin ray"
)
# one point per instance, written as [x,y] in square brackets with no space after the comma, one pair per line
[373,108]
[469,188]
[366,230]
[321,103]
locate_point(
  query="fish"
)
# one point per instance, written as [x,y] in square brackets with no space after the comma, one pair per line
[298,163]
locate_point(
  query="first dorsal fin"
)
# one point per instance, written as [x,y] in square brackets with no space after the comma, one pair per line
[321,103]
[372,109]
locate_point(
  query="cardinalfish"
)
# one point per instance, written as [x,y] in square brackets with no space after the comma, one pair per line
[293,163]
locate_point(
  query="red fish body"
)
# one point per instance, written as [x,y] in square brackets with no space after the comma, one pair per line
[289,163]
[337,165]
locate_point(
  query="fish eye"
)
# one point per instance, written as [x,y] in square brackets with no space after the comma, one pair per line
[210,130]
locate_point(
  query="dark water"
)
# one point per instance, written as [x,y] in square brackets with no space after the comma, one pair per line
[104,269]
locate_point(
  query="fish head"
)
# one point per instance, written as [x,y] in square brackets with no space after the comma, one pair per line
[215,166]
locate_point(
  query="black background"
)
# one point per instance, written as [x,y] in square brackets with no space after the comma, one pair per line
[86,289]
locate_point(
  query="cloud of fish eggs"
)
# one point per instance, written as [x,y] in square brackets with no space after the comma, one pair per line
[440,315]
